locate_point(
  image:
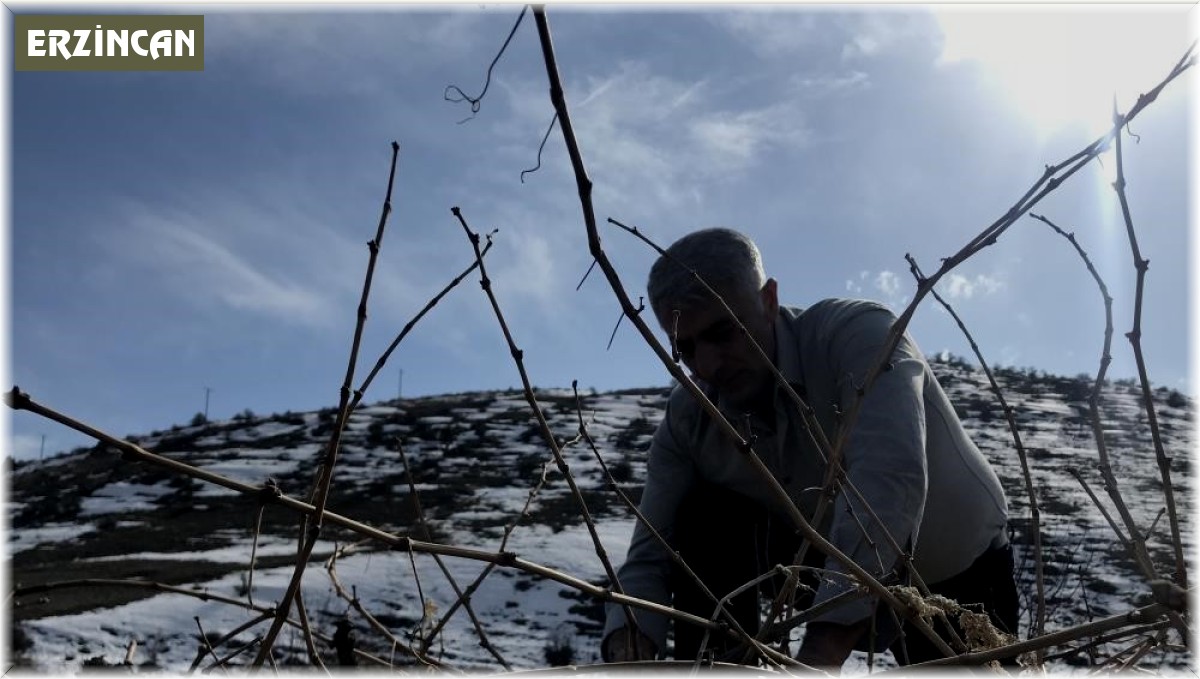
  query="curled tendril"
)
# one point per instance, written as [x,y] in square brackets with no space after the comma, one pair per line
[541,147]
[1137,138]
[454,94]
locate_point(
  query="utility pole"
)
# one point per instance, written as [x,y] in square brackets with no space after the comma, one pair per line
[207,391]
[42,454]
[400,386]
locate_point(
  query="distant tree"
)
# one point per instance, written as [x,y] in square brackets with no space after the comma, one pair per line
[375,435]
[622,470]
[97,661]
[198,419]
[289,417]
[62,505]
[951,359]
[560,648]
[1078,389]
[1176,400]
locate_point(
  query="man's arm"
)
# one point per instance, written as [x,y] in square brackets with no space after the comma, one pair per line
[647,568]
[884,459]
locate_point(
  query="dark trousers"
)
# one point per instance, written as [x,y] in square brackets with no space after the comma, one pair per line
[728,540]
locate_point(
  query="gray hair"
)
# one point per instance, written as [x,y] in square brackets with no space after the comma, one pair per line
[726,259]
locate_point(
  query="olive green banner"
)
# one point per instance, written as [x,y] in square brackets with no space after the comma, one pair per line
[108,42]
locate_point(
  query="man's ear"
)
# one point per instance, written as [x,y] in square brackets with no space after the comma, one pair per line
[770,299]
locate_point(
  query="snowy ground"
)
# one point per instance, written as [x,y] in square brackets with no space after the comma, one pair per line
[476,457]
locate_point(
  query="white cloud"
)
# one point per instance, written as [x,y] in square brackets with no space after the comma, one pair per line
[850,32]
[205,269]
[832,83]
[957,286]
[631,94]
[884,287]
[264,248]
[249,250]
[651,138]
[526,266]
[773,33]
[732,137]
[880,33]
[735,139]
[856,286]
[989,284]
[351,52]
[888,283]
[806,37]
[863,45]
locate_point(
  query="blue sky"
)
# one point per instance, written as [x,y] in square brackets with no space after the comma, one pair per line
[172,232]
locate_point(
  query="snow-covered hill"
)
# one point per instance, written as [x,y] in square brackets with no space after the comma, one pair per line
[475,459]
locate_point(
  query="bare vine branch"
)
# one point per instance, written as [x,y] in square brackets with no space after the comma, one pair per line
[1050,180]
[1147,624]
[1135,339]
[544,426]
[462,597]
[324,478]
[584,186]
[674,554]
[1039,626]
[18,400]
[379,364]
[352,599]
[1138,616]
[613,336]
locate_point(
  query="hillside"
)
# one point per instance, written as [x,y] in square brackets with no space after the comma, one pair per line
[475,458]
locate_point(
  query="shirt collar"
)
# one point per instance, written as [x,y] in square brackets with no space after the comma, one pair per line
[787,347]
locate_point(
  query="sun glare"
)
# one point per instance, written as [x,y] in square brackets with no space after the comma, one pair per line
[1107,166]
[1062,67]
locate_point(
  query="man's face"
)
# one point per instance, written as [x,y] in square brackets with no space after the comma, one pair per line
[718,353]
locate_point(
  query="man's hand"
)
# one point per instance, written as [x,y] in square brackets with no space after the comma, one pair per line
[827,645]
[625,645]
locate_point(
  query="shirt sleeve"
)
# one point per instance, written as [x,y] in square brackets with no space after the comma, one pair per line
[884,458]
[647,568]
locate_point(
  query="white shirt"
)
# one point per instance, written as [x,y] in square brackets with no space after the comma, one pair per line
[908,456]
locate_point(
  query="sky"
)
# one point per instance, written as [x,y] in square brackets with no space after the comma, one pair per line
[182,240]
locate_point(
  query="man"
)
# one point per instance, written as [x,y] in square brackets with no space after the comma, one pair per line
[921,479]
